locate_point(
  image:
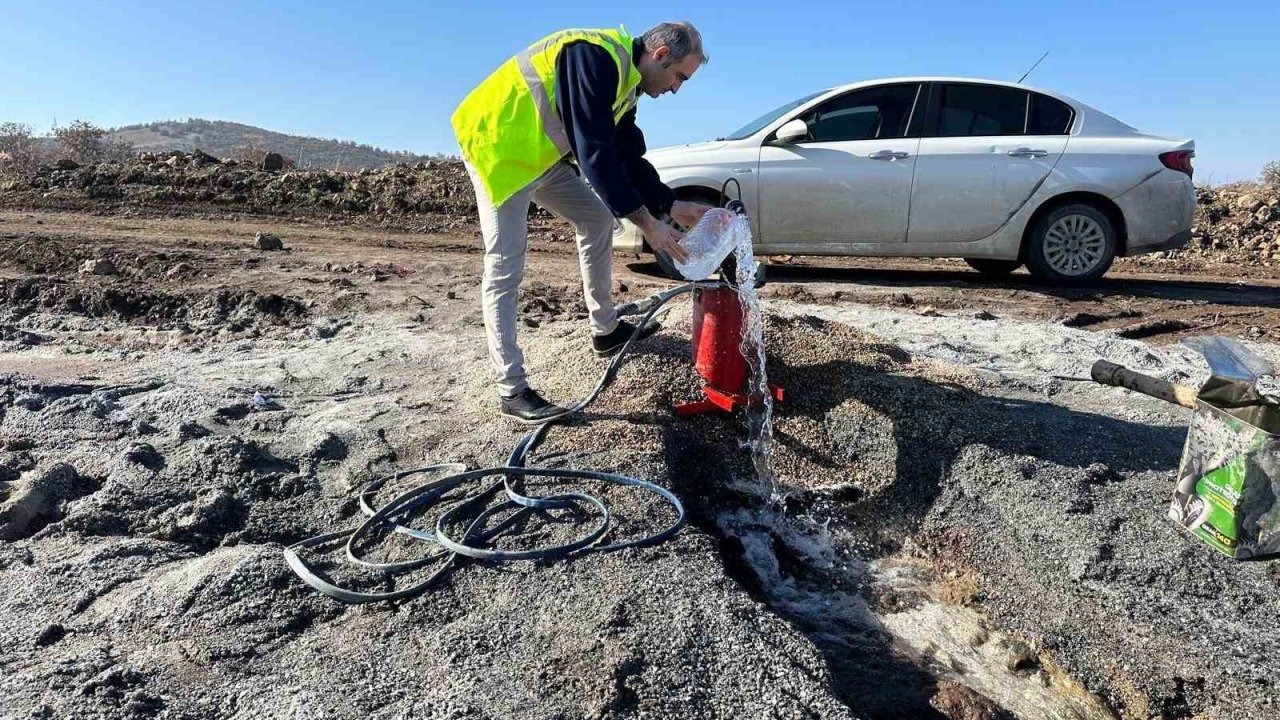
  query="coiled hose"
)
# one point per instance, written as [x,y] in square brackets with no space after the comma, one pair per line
[476,541]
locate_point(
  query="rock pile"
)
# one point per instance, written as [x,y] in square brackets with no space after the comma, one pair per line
[1237,223]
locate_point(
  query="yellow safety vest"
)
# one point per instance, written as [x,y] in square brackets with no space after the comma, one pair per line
[508,126]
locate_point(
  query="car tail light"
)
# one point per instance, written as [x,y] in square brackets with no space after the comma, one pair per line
[1179,160]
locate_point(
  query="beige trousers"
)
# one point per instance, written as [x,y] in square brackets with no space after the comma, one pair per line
[506,233]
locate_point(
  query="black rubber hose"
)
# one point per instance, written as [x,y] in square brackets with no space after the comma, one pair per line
[476,541]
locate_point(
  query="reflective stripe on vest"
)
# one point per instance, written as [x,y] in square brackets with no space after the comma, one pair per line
[552,124]
[508,126]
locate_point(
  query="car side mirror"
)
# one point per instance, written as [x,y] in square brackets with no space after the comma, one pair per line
[793,131]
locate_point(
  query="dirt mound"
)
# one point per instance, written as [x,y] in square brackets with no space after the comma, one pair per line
[20,297]
[1236,223]
[437,194]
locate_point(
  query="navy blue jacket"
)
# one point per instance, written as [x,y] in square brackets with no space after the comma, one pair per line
[610,154]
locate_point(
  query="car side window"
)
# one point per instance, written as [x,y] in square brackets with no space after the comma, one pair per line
[869,114]
[967,110]
[1049,116]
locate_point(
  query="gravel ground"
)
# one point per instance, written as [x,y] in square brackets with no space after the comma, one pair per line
[155,585]
[963,534]
[1054,492]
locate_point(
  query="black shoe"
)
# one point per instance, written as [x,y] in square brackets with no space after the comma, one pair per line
[606,345]
[528,407]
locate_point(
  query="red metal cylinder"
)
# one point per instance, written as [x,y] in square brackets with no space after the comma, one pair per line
[717,333]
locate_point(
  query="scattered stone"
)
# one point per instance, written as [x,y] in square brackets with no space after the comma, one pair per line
[1101,474]
[957,702]
[273,162]
[199,158]
[190,430]
[34,503]
[30,401]
[179,270]
[142,427]
[143,454]
[261,402]
[1248,203]
[50,635]
[267,241]
[328,447]
[100,266]
[324,331]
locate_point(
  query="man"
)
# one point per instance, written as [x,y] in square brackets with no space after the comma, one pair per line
[569,97]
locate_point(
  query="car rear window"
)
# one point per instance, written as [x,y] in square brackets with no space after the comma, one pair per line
[1049,116]
[969,110]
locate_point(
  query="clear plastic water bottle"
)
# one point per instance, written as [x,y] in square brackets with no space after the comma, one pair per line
[708,244]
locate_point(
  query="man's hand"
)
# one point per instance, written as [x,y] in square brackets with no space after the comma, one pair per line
[688,213]
[662,237]
[666,239]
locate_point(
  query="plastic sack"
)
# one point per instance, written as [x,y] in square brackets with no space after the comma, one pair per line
[1228,491]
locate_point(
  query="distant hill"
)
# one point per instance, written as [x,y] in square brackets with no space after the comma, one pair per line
[224,139]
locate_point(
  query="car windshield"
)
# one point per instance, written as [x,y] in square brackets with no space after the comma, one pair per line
[759,123]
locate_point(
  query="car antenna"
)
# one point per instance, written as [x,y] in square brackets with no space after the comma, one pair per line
[1033,67]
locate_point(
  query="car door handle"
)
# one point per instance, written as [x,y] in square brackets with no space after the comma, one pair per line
[1028,152]
[889,155]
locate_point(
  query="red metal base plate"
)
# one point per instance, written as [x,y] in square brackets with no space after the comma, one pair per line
[720,401]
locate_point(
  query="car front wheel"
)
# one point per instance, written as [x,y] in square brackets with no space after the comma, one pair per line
[1072,244]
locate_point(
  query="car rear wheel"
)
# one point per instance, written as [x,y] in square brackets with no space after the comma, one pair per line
[1072,244]
[993,268]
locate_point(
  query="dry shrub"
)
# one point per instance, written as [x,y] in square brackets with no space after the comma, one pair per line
[1271,174]
[85,142]
[20,152]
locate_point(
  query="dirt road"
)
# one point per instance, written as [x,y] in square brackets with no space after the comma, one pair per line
[970,531]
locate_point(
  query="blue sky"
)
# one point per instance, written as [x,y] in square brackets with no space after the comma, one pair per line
[390,73]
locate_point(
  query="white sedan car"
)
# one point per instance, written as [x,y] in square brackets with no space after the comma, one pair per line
[996,173]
